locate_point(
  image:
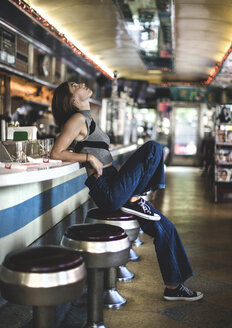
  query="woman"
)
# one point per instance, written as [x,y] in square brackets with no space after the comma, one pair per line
[224,116]
[112,189]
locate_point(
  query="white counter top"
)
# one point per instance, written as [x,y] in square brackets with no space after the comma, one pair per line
[122,150]
[42,172]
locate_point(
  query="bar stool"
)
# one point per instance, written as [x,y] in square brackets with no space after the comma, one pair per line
[102,246]
[112,297]
[43,277]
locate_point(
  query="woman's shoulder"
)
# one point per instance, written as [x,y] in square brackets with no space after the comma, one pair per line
[78,116]
[75,119]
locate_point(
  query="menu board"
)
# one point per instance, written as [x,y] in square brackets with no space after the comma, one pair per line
[7,47]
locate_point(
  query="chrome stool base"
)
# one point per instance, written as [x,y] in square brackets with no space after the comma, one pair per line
[113,299]
[133,256]
[124,274]
[138,242]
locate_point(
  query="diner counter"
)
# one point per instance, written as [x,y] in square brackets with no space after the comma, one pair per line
[14,174]
[35,172]
[35,197]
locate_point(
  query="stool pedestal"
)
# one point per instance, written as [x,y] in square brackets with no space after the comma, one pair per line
[124,274]
[112,298]
[95,298]
[102,247]
[138,242]
[43,316]
[133,256]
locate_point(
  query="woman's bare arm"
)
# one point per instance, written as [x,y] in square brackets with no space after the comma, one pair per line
[70,132]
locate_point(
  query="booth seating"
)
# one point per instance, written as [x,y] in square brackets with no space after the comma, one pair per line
[112,298]
[42,276]
[102,246]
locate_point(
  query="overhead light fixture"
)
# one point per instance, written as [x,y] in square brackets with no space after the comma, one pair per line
[154,71]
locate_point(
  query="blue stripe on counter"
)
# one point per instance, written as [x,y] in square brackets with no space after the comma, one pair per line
[16,217]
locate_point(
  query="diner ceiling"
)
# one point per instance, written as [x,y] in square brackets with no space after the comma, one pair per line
[201,35]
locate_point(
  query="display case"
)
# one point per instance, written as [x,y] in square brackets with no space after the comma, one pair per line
[223,160]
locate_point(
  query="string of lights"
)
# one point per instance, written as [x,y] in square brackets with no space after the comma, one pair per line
[217,67]
[34,15]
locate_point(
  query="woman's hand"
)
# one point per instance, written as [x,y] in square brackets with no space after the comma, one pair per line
[96,164]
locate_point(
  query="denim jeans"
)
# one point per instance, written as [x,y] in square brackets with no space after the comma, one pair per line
[142,172]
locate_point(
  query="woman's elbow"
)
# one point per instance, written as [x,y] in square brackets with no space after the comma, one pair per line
[55,155]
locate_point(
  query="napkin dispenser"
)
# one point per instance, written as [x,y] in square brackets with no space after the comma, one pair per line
[29,131]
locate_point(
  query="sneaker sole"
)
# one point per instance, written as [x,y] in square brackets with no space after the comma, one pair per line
[156,217]
[191,299]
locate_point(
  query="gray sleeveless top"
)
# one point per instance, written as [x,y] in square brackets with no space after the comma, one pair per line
[96,142]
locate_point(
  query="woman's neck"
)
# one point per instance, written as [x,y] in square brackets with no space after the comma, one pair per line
[85,105]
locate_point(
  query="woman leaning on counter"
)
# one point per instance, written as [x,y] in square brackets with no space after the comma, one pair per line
[113,189]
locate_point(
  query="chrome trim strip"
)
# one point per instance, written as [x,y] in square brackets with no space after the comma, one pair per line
[99,247]
[42,280]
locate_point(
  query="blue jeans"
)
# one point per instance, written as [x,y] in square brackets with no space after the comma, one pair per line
[142,172]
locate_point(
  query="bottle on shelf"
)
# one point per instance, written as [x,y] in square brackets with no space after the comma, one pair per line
[114,93]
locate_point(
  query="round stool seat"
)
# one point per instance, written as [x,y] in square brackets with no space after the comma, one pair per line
[113,215]
[97,232]
[42,259]
[101,245]
[42,275]
[128,222]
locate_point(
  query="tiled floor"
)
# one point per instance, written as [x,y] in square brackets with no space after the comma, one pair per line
[206,231]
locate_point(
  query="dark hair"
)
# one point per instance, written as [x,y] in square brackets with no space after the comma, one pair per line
[62,108]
